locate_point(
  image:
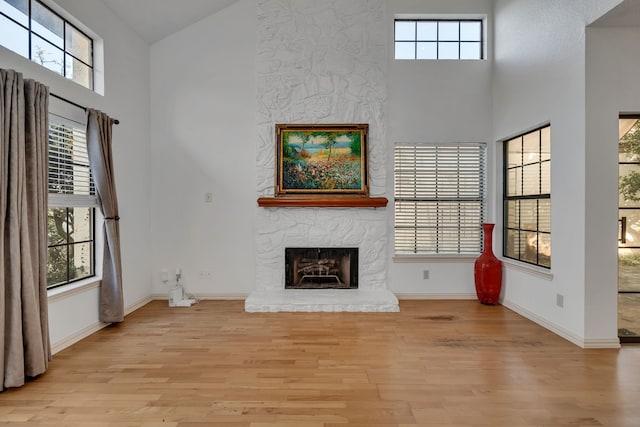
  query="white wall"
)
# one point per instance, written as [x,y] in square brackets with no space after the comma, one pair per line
[437,101]
[539,77]
[126,98]
[612,68]
[203,138]
[213,100]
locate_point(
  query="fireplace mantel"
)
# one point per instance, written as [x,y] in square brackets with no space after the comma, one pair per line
[315,201]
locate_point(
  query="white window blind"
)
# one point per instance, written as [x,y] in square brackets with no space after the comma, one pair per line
[439,193]
[70,180]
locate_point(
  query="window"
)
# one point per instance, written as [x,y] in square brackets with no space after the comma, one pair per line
[72,201]
[438,39]
[439,193]
[527,197]
[34,31]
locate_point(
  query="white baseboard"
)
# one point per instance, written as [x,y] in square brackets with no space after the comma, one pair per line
[133,307]
[585,343]
[601,343]
[74,338]
[203,297]
[93,328]
[402,296]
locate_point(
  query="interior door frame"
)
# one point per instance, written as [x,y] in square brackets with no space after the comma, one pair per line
[622,238]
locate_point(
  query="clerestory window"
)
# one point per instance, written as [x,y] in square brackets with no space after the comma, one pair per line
[438,39]
[33,30]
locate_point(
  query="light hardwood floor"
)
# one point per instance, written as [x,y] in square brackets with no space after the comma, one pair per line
[436,363]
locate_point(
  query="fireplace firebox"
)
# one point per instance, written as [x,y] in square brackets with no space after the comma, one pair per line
[321,268]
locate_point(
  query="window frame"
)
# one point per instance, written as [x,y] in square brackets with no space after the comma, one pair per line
[68,245]
[437,40]
[441,228]
[537,197]
[62,113]
[65,50]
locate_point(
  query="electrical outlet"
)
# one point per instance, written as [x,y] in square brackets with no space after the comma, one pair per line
[206,274]
[164,276]
[208,197]
[425,274]
[560,300]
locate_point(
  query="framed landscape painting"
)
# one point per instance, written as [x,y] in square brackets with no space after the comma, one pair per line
[321,159]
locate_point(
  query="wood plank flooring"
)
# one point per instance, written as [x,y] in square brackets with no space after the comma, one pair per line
[436,363]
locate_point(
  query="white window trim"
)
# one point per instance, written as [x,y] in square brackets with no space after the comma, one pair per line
[74,116]
[454,16]
[72,201]
[524,267]
[74,288]
[540,271]
[81,285]
[445,258]
[98,48]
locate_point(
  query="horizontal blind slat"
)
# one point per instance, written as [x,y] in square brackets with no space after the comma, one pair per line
[69,171]
[439,193]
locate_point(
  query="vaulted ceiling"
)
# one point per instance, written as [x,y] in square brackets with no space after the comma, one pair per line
[154,20]
[626,14]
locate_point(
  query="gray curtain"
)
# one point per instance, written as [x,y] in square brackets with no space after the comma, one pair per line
[99,127]
[24,330]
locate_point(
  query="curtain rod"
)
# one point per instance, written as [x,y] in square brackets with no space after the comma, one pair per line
[116,121]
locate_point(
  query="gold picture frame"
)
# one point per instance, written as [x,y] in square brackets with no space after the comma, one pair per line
[321,159]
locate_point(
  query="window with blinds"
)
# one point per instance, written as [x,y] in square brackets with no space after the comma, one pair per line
[69,171]
[72,202]
[439,194]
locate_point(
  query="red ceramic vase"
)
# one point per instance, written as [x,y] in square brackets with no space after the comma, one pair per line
[487,270]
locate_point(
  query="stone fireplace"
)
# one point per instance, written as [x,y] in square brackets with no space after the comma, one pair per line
[330,70]
[282,228]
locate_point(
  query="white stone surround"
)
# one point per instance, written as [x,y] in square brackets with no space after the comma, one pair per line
[321,61]
[322,300]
